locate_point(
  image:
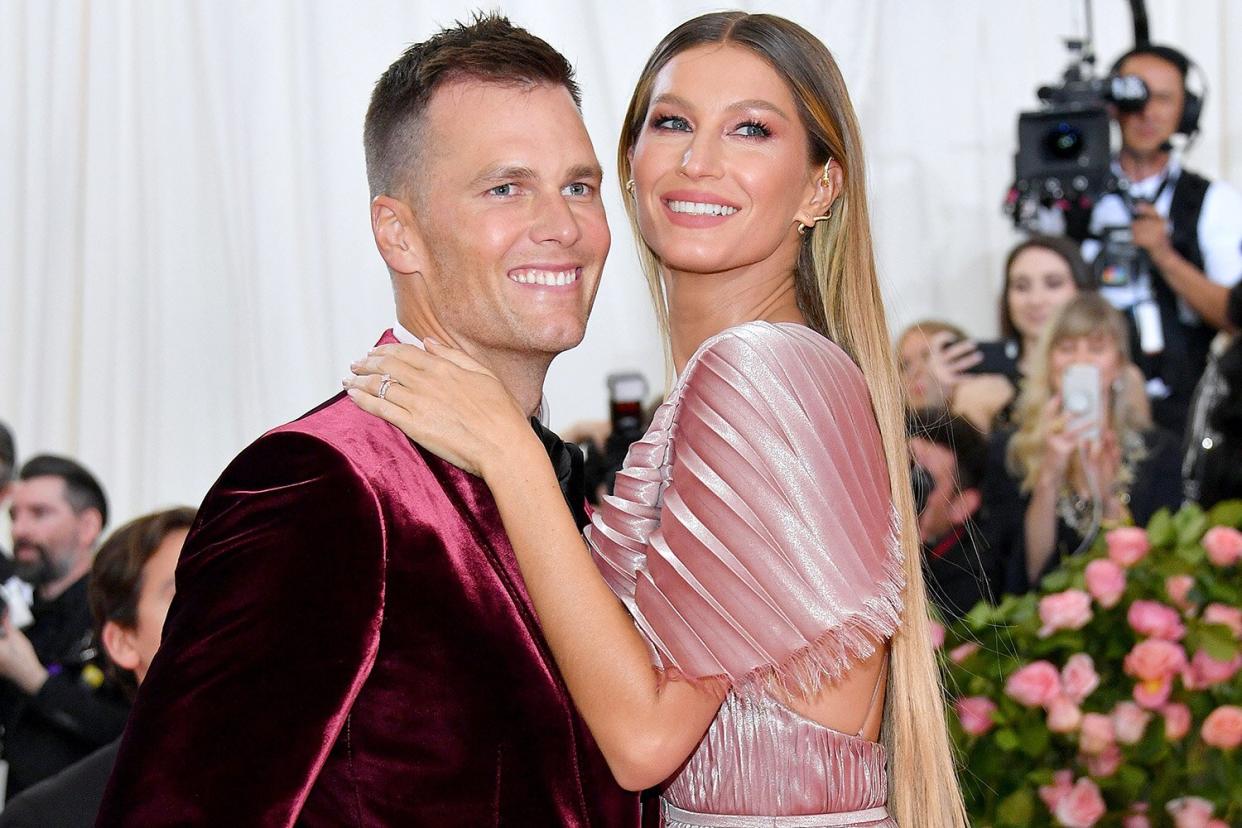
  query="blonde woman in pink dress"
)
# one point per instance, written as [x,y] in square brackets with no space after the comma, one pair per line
[749,631]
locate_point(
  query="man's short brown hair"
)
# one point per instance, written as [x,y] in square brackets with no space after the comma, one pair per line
[116,575]
[488,49]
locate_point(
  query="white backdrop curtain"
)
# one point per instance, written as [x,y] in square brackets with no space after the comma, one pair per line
[185,255]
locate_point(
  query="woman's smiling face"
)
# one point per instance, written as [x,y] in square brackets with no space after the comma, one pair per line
[721,165]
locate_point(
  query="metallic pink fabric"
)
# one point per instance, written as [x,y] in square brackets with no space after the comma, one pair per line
[751,536]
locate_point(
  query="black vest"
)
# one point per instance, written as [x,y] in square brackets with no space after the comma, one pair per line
[1186,345]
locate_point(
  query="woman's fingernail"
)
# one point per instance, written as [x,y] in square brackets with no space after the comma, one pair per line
[431,340]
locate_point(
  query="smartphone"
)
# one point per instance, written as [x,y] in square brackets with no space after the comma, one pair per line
[1080,397]
[996,359]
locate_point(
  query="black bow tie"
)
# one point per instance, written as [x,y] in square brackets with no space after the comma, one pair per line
[568,462]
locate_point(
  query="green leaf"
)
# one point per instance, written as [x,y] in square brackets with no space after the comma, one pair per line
[1007,740]
[1056,581]
[1226,513]
[1130,782]
[1190,524]
[1218,641]
[1034,738]
[980,617]
[1160,529]
[1017,809]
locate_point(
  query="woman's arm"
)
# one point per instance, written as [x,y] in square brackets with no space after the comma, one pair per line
[1040,523]
[645,727]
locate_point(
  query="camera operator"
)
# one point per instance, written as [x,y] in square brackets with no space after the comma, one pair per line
[1183,234]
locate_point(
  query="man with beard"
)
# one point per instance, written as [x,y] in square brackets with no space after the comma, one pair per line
[54,704]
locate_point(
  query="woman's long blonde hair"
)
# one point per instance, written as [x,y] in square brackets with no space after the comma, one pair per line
[839,295]
[1087,314]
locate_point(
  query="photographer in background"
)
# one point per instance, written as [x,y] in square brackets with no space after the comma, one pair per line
[55,705]
[8,465]
[1168,246]
[958,565]
[131,587]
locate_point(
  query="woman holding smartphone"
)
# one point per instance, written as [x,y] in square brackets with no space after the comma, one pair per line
[1081,453]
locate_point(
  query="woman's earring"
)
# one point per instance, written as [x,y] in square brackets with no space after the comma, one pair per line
[802,228]
[629,186]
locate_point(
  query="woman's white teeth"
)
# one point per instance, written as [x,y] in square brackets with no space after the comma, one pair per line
[699,208]
[545,277]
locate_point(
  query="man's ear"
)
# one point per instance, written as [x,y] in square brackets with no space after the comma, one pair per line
[119,642]
[822,192]
[964,505]
[397,234]
[90,525]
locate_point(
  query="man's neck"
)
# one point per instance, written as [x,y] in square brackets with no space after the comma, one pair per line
[522,373]
[1142,165]
[54,589]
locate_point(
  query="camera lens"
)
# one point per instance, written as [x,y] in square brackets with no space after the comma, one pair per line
[1063,142]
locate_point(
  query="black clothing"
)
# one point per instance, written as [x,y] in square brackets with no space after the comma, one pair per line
[1186,344]
[73,713]
[570,468]
[69,799]
[1157,484]
[960,571]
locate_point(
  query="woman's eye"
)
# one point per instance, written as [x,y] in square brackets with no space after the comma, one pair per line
[578,189]
[672,122]
[752,129]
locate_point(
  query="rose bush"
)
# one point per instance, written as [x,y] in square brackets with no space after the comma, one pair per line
[1112,695]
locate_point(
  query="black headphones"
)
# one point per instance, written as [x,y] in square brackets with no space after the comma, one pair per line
[1192,102]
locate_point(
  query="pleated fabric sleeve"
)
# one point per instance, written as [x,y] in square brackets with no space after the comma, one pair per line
[751,534]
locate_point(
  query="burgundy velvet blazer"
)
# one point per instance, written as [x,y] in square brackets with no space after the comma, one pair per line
[351,643]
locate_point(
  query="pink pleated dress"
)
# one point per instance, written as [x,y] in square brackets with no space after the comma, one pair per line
[751,536]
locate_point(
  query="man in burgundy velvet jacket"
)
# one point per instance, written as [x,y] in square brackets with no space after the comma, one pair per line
[351,642]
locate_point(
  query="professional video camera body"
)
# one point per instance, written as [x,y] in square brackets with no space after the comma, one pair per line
[1065,149]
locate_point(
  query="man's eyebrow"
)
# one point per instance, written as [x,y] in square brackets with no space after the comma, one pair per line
[591,171]
[749,103]
[505,173]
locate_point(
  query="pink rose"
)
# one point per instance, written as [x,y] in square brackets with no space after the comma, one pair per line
[1068,610]
[937,634]
[1136,821]
[1062,784]
[1223,545]
[1231,617]
[1223,727]
[1178,587]
[1034,685]
[963,651]
[1129,722]
[1063,715]
[1078,677]
[1217,823]
[1205,671]
[1105,581]
[1176,720]
[1104,764]
[1155,620]
[1154,662]
[1190,811]
[975,714]
[1096,733]
[1082,807]
[1127,545]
